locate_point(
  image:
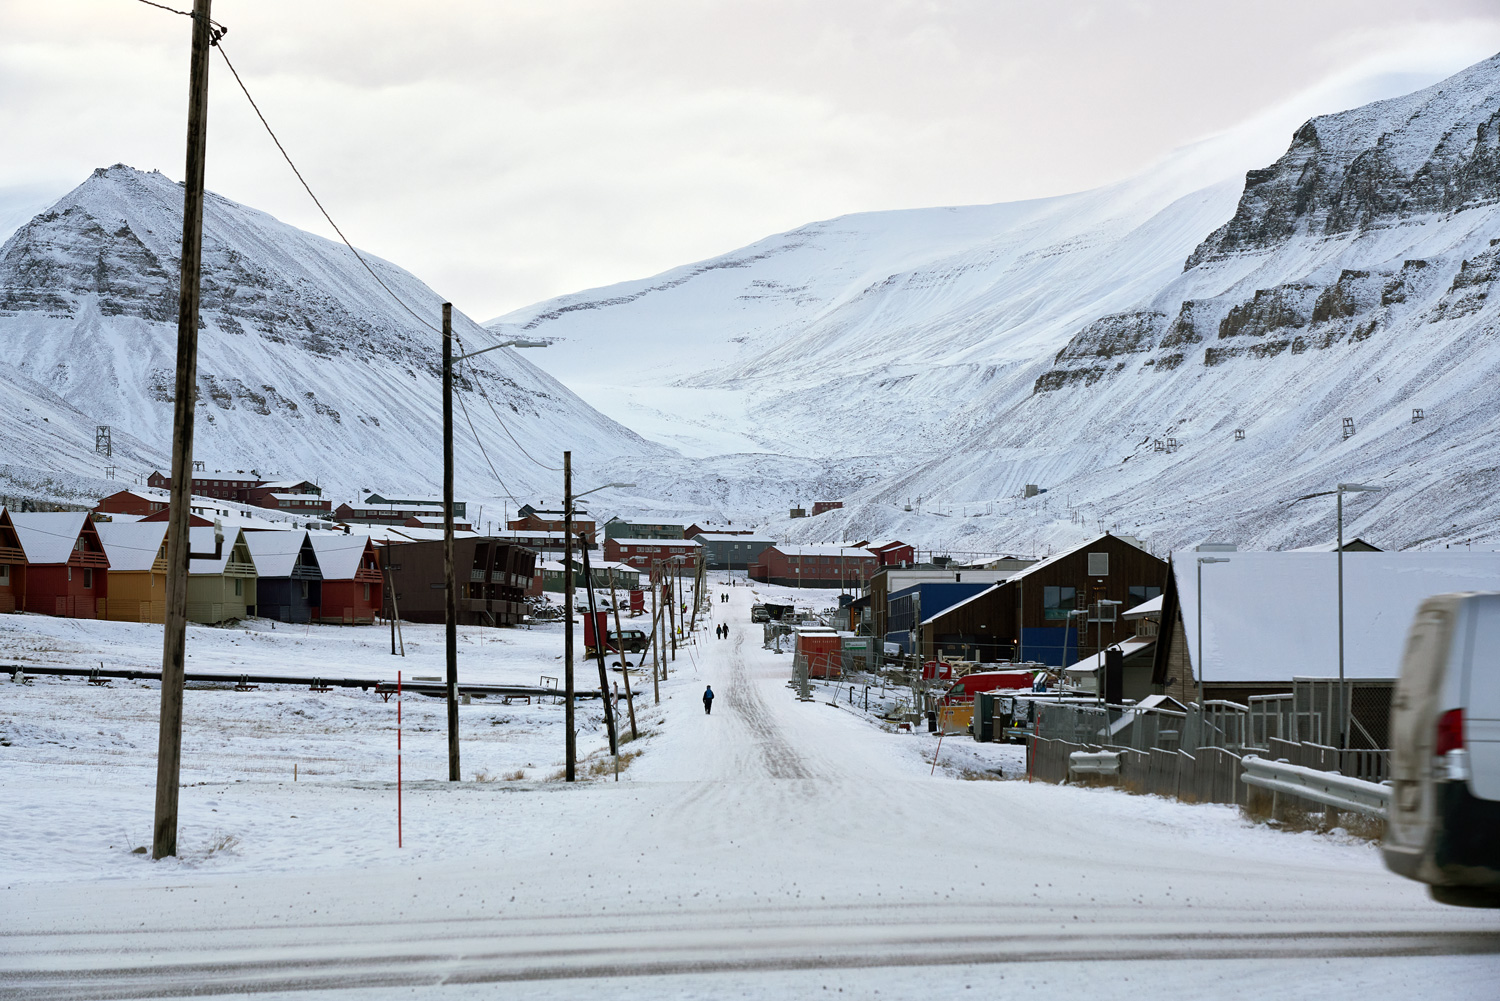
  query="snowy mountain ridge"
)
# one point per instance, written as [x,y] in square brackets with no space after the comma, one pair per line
[306,365]
[1174,363]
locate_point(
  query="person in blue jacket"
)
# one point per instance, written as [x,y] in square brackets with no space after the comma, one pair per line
[708,699]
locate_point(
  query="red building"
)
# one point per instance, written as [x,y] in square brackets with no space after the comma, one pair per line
[132,502]
[436,521]
[64,569]
[821,506]
[536,523]
[845,567]
[294,496]
[235,486]
[893,554]
[12,565]
[644,554]
[821,651]
[352,580]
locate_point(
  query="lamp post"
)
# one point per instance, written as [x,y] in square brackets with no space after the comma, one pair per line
[450,582]
[1202,560]
[1343,488]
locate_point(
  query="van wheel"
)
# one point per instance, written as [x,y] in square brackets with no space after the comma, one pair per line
[1467,896]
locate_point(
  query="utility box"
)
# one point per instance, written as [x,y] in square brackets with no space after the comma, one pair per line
[823,650]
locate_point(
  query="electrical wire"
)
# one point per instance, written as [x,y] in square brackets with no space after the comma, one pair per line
[465,408]
[498,420]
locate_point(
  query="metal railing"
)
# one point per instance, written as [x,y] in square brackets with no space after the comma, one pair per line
[1329,788]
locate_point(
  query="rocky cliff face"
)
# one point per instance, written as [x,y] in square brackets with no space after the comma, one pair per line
[306,365]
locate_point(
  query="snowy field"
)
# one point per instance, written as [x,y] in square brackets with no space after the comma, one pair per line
[773,849]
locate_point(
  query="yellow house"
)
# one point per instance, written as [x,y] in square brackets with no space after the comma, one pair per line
[137,554]
[223,587]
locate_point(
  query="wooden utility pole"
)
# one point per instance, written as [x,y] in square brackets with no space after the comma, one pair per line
[174,642]
[671,623]
[599,644]
[450,604]
[570,765]
[624,660]
[655,671]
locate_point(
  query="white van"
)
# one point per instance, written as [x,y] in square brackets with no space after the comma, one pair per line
[1443,826]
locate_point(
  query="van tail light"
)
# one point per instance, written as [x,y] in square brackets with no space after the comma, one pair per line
[1450,732]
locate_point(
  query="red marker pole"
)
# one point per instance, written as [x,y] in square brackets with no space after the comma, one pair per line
[398,759]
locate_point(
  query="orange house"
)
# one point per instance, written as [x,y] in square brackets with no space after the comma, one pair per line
[351,578]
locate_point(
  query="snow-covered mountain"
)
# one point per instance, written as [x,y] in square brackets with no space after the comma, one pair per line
[1055,342]
[307,366]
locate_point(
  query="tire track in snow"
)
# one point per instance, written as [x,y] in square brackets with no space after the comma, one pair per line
[743,699]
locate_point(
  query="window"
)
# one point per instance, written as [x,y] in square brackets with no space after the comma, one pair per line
[5,576]
[304,587]
[88,577]
[1098,564]
[1057,602]
[1142,592]
[239,587]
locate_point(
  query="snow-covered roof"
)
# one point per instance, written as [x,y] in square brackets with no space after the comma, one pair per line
[393,509]
[275,553]
[201,540]
[393,534]
[1090,664]
[1273,616]
[852,552]
[1145,608]
[302,497]
[1332,545]
[1063,554]
[338,554]
[48,536]
[731,537]
[1002,575]
[131,546]
[657,542]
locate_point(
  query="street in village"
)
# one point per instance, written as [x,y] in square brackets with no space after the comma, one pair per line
[776,848]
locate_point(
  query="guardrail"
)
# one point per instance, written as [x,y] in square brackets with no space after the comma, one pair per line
[1094,763]
[1328,788]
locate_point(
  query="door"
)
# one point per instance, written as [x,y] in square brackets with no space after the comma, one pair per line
[1413,717]
[1481,696]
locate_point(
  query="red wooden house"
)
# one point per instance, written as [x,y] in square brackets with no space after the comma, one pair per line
[352,580]
[65,564]
[893,553]
[12,565]
[132,502]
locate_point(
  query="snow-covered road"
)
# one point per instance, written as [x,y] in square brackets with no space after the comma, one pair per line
[773,849]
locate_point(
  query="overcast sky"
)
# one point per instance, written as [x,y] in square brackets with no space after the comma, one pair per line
[506,151]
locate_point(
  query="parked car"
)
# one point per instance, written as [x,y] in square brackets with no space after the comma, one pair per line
[758,613]
[1445,752]
[629,640]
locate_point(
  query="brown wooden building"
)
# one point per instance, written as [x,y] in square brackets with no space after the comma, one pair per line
[1029,616]
[493,578]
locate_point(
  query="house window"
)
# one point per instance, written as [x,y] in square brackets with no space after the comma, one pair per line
[367,593]
[88,577]
[1142,592]
[5,576]
[239,587]
[1057,602]
[304,587]
[1098,564]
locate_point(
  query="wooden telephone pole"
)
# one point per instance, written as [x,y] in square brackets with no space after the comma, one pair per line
[570,740]
[450,605]
[174,642]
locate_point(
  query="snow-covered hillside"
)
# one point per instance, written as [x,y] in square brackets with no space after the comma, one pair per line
[972,351]
[306,366]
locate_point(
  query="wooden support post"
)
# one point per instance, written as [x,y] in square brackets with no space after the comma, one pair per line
[174,640]
[655,671]
[609,713]
[624,660]
[570,739]
[450,604]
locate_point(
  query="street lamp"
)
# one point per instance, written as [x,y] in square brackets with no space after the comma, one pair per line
[1343,488]
[1202,560]
[450,603]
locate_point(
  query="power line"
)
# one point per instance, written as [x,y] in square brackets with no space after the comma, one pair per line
[498,420]
[306,187]
[465,408]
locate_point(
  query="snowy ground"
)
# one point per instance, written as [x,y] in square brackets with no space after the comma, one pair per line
[774,849]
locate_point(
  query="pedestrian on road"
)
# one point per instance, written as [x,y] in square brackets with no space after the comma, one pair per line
[708,700]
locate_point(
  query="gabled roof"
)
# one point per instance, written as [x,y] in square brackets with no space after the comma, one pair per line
[338,554]
[1090,664]
[48,536]
[201,540]
[1151,606]
[275,553]
[1355,545]
[131,545]
[731,537]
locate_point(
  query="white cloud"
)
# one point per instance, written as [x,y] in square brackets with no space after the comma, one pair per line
[507,151]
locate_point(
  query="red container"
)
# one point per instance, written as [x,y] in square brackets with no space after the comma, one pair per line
[824,652]
[964,688]
[637,602]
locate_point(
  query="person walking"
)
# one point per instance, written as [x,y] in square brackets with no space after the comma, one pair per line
[708,700]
